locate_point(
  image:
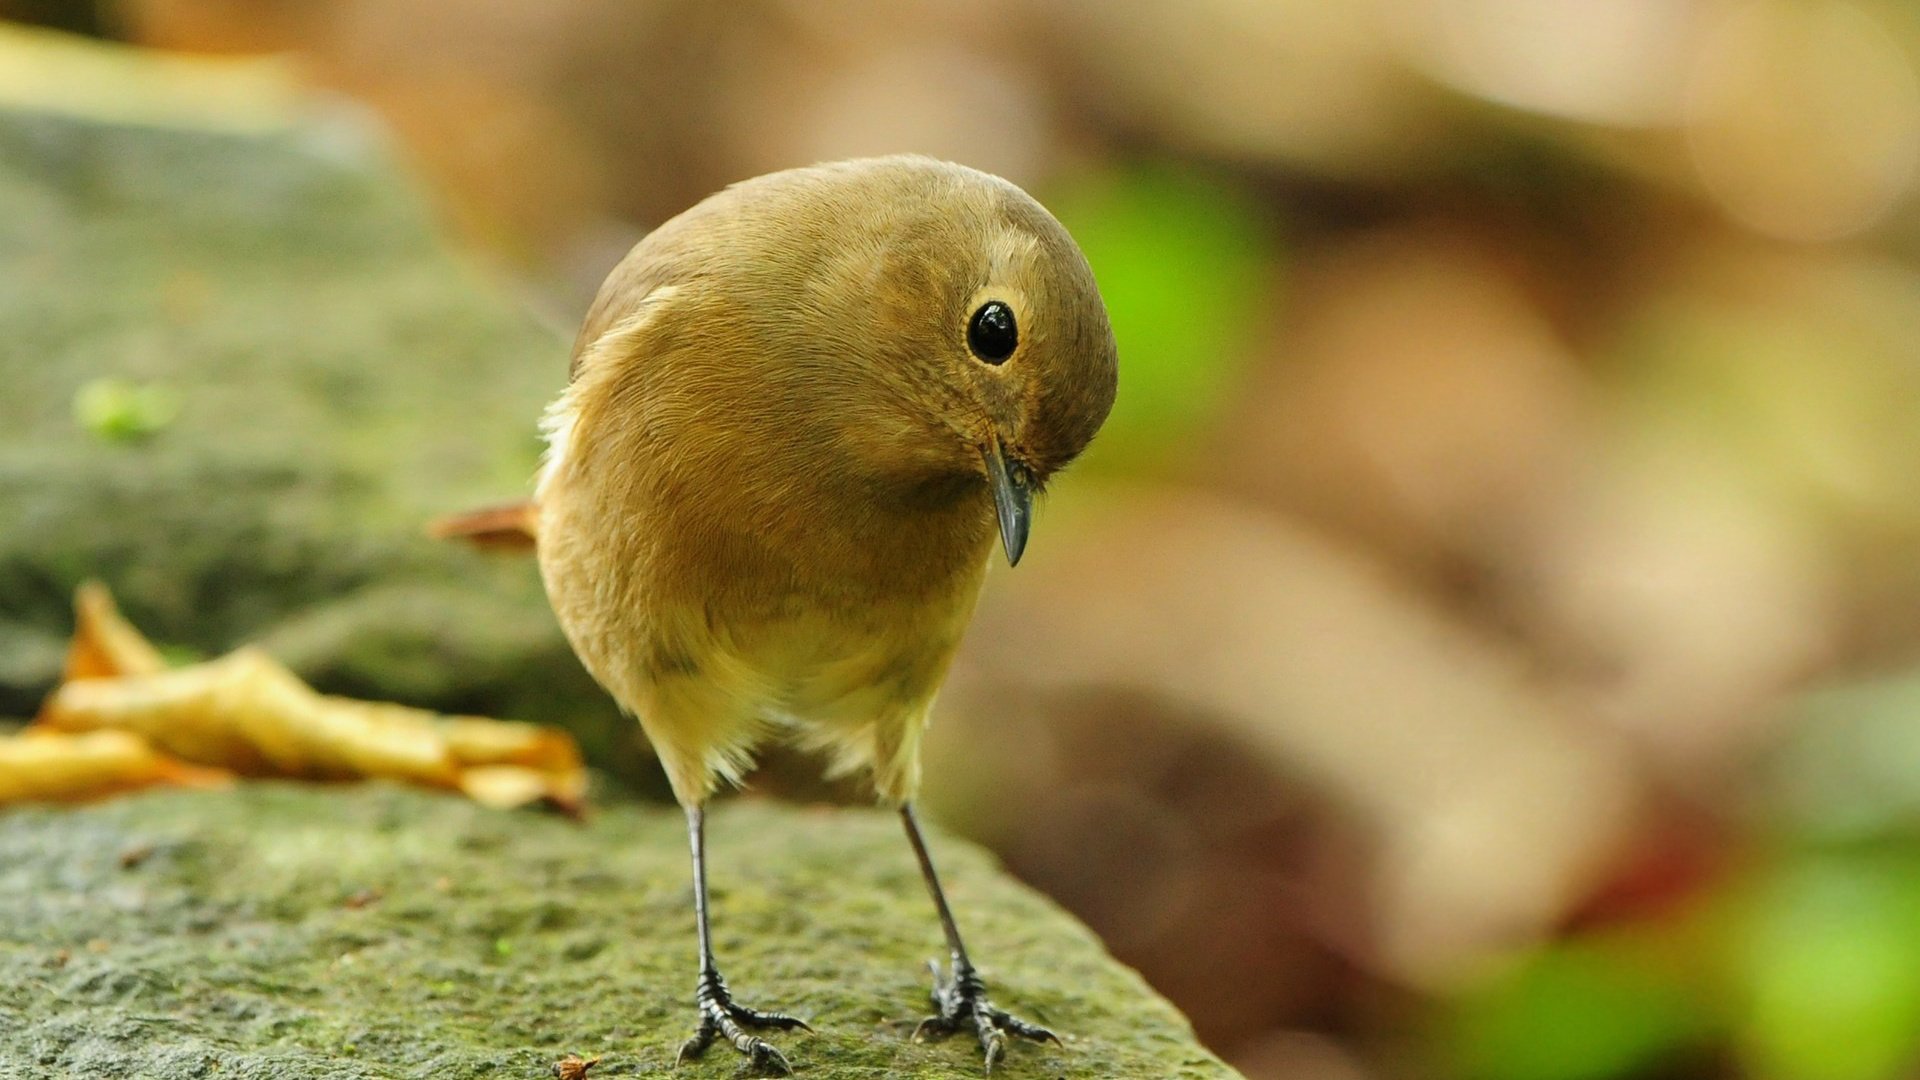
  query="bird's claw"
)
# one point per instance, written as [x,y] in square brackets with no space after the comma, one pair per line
[721,1017]
[961,1000]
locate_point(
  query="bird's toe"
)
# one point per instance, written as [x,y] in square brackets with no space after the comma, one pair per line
[767,1058]
[960,1001]
[754,1018]
[722,1018]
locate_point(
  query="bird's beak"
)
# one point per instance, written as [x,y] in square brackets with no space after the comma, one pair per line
[1013,498]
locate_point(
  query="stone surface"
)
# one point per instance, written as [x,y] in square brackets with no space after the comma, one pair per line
[242,371]
[287,931]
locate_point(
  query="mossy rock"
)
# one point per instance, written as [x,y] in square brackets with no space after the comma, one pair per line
[288,931]
[243,370]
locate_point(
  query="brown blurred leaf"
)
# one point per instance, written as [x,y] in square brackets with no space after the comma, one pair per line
[574,1067]
[507,527]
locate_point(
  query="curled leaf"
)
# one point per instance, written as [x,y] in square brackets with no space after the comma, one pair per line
[477,741]
[506,787]
[104,643]
[247,713]
[49,766]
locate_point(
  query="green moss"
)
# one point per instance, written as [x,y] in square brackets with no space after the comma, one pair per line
[228,934]
[242,372]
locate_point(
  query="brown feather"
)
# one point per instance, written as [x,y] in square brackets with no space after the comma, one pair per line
[765,503]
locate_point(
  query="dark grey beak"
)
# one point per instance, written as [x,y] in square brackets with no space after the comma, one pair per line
[1013,498]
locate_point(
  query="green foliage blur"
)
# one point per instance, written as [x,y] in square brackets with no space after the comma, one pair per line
[1187,267]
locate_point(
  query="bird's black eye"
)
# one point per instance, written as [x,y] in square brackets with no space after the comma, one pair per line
[991,335]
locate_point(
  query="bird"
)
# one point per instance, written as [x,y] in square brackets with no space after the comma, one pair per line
[798,416]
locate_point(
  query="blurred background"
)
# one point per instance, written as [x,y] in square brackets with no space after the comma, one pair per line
[1485,640]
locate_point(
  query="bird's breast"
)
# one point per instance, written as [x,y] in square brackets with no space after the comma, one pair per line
[708,523]
[815,603]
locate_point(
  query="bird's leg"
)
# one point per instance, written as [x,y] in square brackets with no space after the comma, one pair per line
[719,1016]
[960,995]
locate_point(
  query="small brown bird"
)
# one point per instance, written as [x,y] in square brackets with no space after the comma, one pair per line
[797,413]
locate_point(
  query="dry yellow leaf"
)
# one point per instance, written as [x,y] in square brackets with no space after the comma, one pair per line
[506,787]
[479,741]
[104,643]
[51,766]
[248,713]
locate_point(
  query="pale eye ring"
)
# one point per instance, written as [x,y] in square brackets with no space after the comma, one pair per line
[992,333]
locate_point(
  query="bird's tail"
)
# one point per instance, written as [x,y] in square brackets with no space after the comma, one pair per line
[505,527]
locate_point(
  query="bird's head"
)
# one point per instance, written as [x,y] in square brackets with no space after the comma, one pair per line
[1000,364]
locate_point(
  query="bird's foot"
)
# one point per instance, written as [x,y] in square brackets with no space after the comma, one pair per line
[961,998]
[720,1017]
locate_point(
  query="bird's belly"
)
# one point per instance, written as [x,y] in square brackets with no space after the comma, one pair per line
[818,670]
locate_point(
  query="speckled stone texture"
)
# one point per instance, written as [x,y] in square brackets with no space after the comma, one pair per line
[286,931]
